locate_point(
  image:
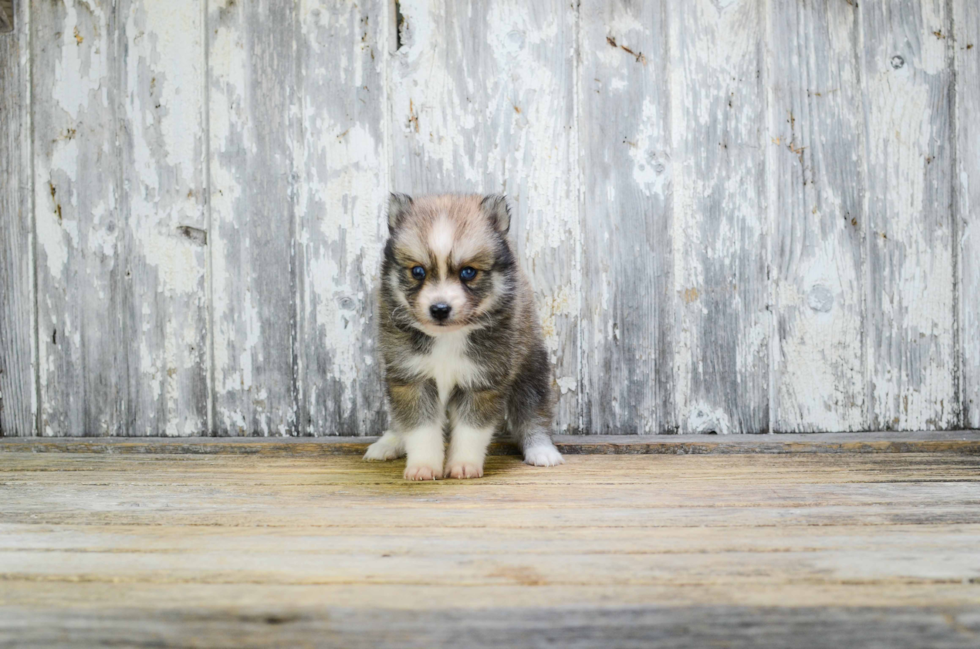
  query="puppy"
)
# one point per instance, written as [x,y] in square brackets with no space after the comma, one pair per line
[460,339]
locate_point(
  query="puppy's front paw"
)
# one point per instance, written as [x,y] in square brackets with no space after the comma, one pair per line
[462,470]
[543,455]
[389,447]
[422,472]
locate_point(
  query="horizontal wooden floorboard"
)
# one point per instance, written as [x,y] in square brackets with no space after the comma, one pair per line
[175,549]
[141,598]
[954,565]
[175,539]
[637,627]
[965,441]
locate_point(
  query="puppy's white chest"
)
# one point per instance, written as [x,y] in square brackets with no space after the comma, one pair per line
[448,364]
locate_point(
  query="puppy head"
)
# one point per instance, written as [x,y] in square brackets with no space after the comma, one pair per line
[447,261]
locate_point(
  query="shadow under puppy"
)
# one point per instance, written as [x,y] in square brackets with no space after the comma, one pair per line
[460,339]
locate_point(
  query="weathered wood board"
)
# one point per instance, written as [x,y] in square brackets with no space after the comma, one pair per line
[18,331]
[253,128]
[82,259]
[815,149]
[298,175]
[627,266]
[738,217]
[343,180]
[164,207]
[909,324]
[118,181]
[722,325]
[202,550]
[933,442]
[966,56]
[633,627]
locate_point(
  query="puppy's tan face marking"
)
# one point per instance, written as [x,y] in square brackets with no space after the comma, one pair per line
[444,254]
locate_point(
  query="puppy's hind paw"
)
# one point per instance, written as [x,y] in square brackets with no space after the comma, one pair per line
[389,447]
[543,455]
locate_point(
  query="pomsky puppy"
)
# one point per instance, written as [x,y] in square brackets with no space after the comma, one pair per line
[460,339]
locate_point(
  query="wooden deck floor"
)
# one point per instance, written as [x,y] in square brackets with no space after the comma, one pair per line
[741,550]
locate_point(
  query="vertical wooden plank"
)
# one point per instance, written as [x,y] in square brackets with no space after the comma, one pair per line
[118,158]
[624,132]
[253,118]
[816,206]
[82,270]
[18,342]
[718,118]
[163,216]
[966,55]
[342,190]
[483,99]
[910,320]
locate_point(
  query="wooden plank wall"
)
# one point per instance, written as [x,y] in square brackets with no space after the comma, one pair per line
[18,331]
[738,216]
[965,46]
[815,149]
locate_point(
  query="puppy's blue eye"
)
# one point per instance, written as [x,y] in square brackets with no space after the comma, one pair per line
[418,273]
[467,274]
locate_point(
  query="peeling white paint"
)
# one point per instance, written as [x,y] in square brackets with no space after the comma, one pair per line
[79,73]
[718,180]
[567,384]
[909,326]
[704,418]
[966,21]
[755,207]
[650,166]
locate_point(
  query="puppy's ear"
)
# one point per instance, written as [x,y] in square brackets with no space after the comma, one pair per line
[398,207]
[495,208]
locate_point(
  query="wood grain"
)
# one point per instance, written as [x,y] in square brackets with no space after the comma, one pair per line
[118,164]
[910,319]
[18,333]
[722,326]
[83,265]
[966,211]
[815,159]
[738,627]
[163,209]
[960,442]
[342,187]
[254,126]
[496,113]
[628,301]
[161,546]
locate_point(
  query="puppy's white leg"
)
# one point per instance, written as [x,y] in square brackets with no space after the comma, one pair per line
[389,447]
[539,450]
[425,449]
[467,450]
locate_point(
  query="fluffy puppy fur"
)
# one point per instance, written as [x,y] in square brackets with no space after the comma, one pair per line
[460,339]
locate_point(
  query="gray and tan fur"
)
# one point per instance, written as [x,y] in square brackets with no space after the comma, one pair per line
[460,339]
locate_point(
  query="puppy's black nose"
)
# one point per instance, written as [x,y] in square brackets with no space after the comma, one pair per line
[440,311]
